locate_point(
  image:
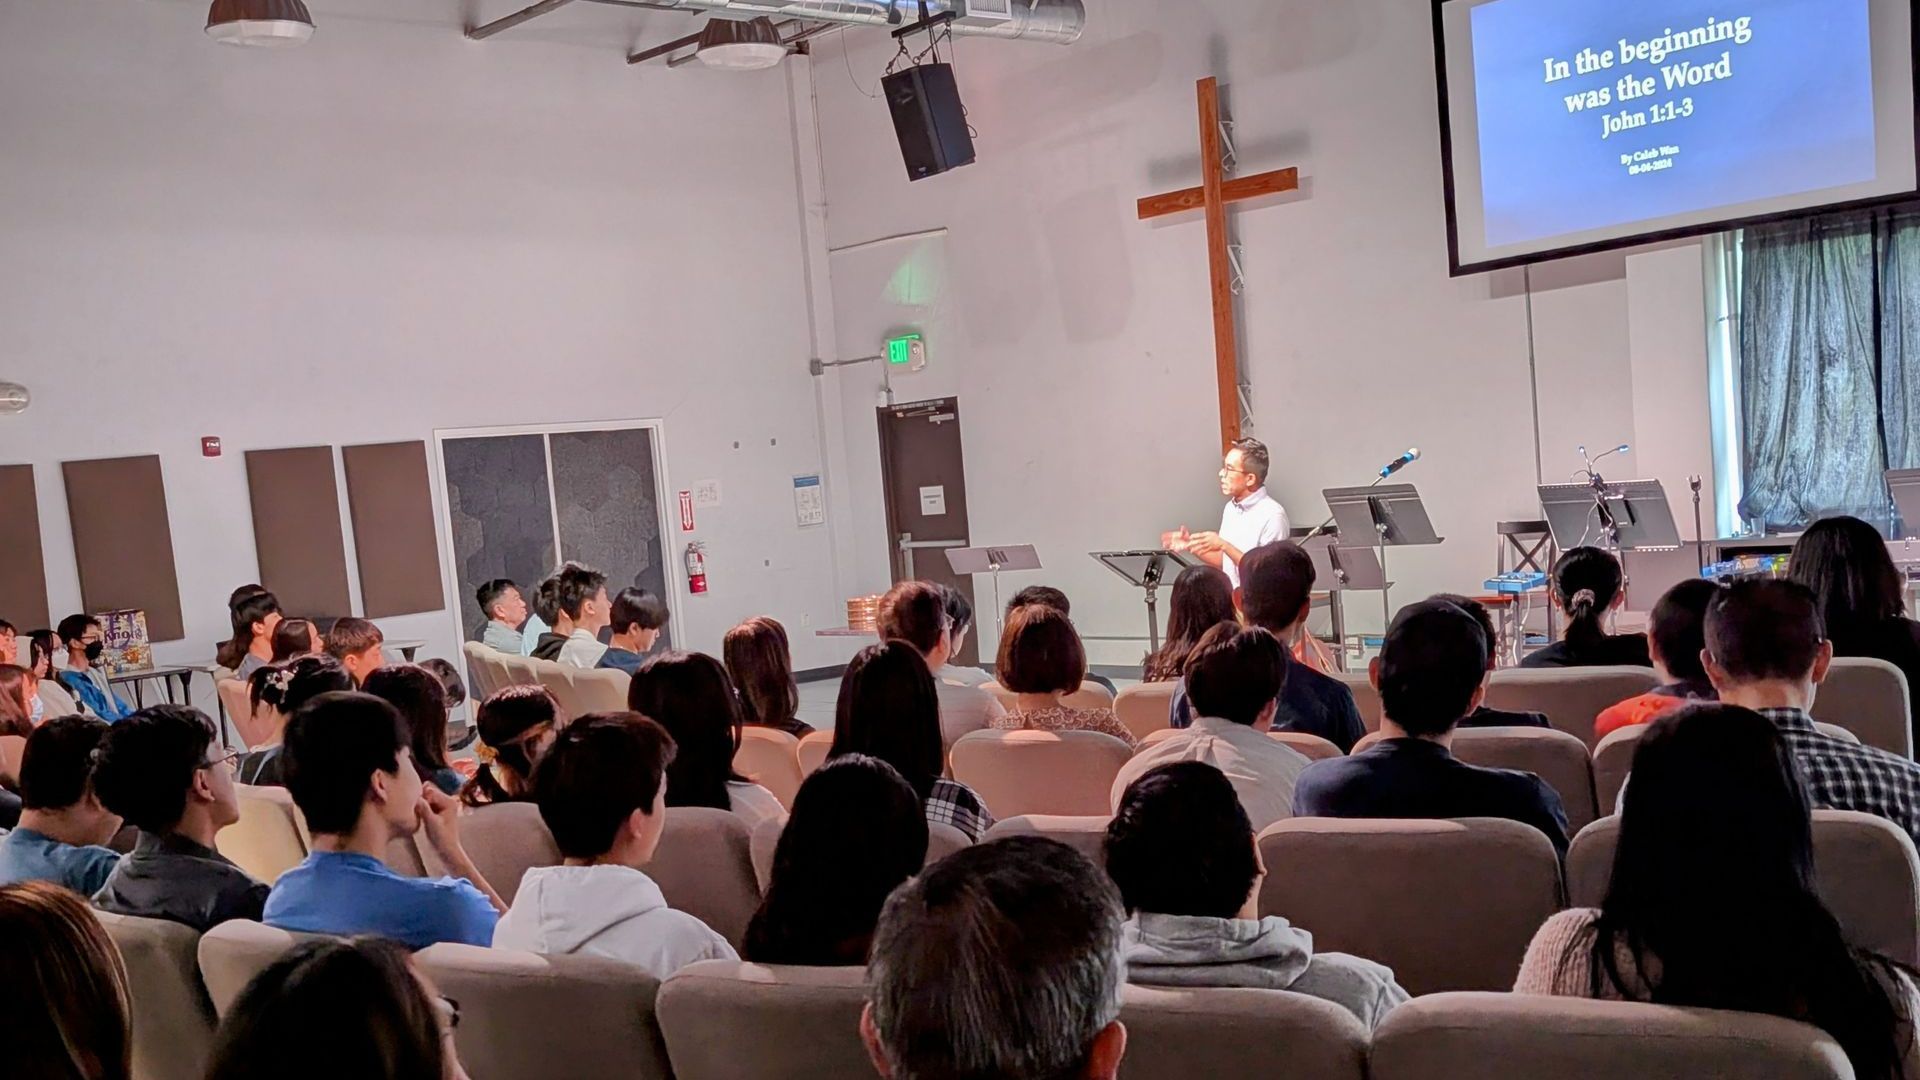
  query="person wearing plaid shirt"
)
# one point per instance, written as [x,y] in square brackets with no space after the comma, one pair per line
[1767,651]
[889,709]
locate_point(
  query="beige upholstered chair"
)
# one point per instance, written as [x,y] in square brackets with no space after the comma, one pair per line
[1365,697]
[518,669]
[481,676]
[1473,1036]
[404,857]
[1091,695]
[771,759]
[704,867]
[1612,761]
[601,690]
[1313,746]
[252,729]
[553,1017]
[1554,756]
[1145,708]
[1040,772]
[56,700]
[172,1018]
[812,751]
[1084,833]
[1571,697]
[558,679]
[942,841]
[1448,905]
[747,1022]
[232,953]
[270,838]
[12,749]
[504,841]
[1869,877]
[1870,698]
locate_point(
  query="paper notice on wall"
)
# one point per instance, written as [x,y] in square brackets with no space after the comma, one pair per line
[809,501]
[706,493]
[933,501]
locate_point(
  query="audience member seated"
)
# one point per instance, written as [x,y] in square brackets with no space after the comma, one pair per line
[516,725]
[856,833]
[1767,651]
[294,638]
[460,734]
[349,772]
[1485,716]
[1587,587]
[1712,903]
[506,610]
[87,683]
[1182,852]
[63,828]
[960,621]
[1048,596]
[548,627]
[421,700]
[281,689]
[63,989]
[1041,661]
[1000,960]
[356,643]
[20,705]
[916,612]
[1861,594]
[759,660]
[9,644]
[1430,674]
[689,695]
[339,1009]
[889,709]
[638,617]
[1233,676]
[602,791]
[583,599]
[1276,592]
[1202,598]
[163,772]
[1676,637]
[43,650]
[255,614]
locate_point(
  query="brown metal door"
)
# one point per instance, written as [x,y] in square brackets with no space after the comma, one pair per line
[926,484]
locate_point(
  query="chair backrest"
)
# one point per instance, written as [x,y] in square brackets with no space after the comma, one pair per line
[232,953]
[504,840]
[1091,695]
[514,1005]
[1085,833]
[1145,708]
[172,1018]
[517,670]
[1365,697]
[404,857]
[1870,698]
[770,758]
[1612,761]
[246,723]
[1571,697]
[1040,772]
[558,678]
[481,676]
[1554,756]
[812,751]
[942,841]
[704,867]
[1448,905]
[269,839]
[1462,1036]
[1221,1032]
[1868,869]
[12,749]
[600,690]
[1313,746]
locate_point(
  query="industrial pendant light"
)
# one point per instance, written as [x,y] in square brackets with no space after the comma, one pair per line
[749,45]
[264,23]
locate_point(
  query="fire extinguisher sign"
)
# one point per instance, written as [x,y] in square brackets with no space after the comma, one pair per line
[686,511]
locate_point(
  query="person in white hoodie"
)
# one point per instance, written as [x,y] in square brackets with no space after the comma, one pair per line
[1181,849]
[601,789]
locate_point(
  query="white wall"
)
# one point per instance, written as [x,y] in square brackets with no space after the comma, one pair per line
[392,230]
[1078,338]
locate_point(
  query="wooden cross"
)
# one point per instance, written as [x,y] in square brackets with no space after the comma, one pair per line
[1214,193]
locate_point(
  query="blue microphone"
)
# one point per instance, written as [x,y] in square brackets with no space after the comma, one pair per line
[1412,455]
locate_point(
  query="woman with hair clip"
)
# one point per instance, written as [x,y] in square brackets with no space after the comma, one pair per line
[1862,594]
[1713,901]
[274,694]
[689,695]
[516,725]
[1202,598]
[255,613]
[1587,585]
[760,663]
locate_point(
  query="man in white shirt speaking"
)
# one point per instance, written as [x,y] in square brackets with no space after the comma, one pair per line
[1252,517]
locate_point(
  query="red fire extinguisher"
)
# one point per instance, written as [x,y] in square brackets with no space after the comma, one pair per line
[696,567]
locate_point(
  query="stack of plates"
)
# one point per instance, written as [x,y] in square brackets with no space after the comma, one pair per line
[863,612]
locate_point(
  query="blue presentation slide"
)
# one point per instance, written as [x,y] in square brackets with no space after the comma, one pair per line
[1606,112]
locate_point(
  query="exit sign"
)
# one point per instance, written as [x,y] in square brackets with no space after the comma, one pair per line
[907,351]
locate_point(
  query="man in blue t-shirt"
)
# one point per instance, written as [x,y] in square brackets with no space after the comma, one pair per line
[349,771]
[62,824]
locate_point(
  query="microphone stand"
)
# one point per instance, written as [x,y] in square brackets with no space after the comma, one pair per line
[1699,537]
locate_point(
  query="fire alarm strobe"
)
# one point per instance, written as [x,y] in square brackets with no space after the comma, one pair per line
[210,446]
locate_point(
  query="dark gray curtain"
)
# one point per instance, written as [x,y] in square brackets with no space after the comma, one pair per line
[1829,360]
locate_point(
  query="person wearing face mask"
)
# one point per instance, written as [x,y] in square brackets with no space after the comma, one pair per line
[89,684]
[46,657]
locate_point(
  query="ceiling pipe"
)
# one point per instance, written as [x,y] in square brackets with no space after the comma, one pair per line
[1056,21]
[487,30]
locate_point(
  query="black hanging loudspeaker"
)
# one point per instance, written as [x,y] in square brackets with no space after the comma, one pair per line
[929,119]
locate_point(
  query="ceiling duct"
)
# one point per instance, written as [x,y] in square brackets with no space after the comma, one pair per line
[1056,21]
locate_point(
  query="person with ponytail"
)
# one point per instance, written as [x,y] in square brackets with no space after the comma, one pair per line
[1587,585]
[255,613]
[516,726]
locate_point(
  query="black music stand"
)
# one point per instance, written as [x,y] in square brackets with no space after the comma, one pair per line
[1337,571]
[992,560]
[1393,515]
[1629,516]
[1148,570]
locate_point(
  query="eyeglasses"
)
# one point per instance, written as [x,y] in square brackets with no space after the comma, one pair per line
[227,758]
[1228,470]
